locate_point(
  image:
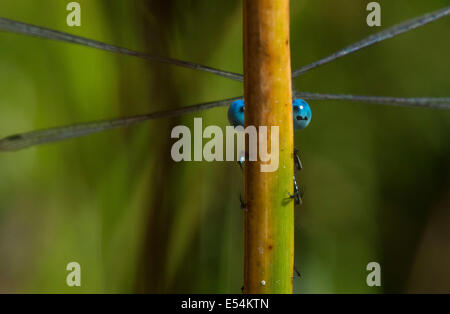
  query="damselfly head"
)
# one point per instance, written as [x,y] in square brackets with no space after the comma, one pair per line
[302,114]
[236,113]
[301,111]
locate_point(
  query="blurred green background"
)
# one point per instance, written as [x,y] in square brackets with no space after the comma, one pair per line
[376,179]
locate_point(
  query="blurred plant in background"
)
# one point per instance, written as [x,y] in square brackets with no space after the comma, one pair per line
[377,179]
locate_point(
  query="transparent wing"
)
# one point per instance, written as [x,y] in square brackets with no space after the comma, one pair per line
[425,102]
[38,31]
[386,34]
[39,137]
[24,140]
[33,30]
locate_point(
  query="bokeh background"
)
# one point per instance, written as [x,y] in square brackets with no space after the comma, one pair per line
[376,179]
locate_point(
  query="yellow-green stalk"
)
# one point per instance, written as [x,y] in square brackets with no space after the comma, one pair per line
[269,219]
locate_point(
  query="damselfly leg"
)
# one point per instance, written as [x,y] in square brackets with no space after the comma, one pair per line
[298,191]
[297,161]
[243,204]
[297,275]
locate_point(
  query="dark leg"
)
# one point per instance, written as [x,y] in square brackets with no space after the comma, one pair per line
[241,162]
[243,204]
[297,273]
[241,165]
[298,194]
[297,161]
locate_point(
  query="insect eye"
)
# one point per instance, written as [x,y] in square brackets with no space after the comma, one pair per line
[299,117]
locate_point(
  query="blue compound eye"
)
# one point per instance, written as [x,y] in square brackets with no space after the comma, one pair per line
[236,113]
[301,109]
[302,114]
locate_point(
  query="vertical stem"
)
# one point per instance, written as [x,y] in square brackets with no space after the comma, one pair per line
[269,220]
